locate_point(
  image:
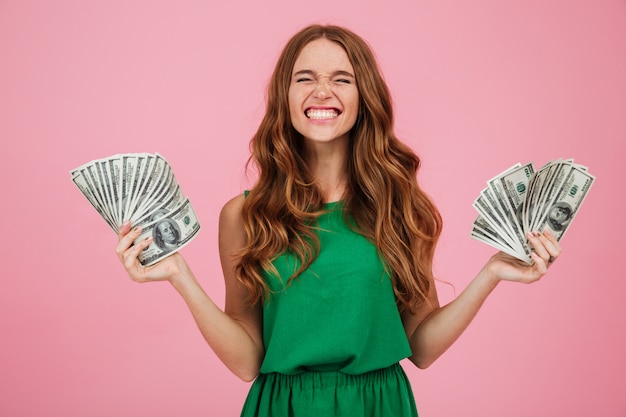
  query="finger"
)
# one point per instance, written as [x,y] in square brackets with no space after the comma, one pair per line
[549,240]
[538,245]
[543,247]
[541,264]
[126,241]
[124,228]
[553,247]
[549,235]
[130,256]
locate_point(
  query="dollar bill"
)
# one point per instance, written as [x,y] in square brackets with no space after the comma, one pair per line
[484,204]
[561,210]
[81,182]
[169,233]
[483,231]
[140,188]
[520,200]
[510,191]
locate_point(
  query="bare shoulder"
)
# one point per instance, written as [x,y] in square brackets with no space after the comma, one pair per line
[231,226]
[232,234]
[231,212]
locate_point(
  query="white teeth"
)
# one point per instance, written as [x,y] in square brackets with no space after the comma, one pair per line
[321,114]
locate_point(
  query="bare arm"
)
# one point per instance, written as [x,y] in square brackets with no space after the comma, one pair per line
[433,329]
[235,334]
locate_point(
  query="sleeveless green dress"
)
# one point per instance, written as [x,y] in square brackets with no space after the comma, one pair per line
[333,337]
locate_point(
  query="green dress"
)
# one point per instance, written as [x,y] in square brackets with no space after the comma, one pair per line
[333,337]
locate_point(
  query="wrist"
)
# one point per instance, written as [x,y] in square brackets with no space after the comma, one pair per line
[488,276]
[180,275]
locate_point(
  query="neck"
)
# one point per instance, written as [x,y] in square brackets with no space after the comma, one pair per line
[328,166]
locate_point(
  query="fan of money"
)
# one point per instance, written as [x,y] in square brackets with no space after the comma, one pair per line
[141,188]
[520,200]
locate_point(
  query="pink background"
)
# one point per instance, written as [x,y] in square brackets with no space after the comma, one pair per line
[478,86]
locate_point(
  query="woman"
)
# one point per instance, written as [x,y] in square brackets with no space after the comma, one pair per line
[328,259]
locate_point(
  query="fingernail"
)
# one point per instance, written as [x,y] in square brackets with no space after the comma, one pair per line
[137,229]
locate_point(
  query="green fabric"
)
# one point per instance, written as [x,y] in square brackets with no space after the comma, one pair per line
[338,321]
[381,393]
[339,315]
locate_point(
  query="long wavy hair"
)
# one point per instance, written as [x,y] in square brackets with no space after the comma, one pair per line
[383,200]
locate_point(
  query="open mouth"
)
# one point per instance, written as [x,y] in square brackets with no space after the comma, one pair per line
[322,114]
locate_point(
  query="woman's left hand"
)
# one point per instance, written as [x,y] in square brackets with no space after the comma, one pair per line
[546,250]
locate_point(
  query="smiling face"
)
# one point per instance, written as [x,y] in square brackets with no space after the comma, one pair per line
[323,94]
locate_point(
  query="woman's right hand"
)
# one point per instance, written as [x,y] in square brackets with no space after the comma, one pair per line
[167,269]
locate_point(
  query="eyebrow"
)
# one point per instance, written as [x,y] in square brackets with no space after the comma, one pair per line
[333,74]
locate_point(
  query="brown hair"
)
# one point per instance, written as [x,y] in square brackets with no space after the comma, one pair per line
[383,196]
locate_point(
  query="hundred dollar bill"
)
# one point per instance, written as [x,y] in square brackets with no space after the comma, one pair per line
[520,200]
[85,180]
[161,208]
[486,203]
[514,186]
[486,206]
[483,231]
[145,169]
[562,209]
[105,185]
[81,182]
[551,176]
[530,202]
[115,170]
[140,188]
[110,174]
[170,234]
[133,165]
[547,178]
[507,190]
[154,185]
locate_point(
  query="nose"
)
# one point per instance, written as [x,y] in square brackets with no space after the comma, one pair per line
[322,90]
